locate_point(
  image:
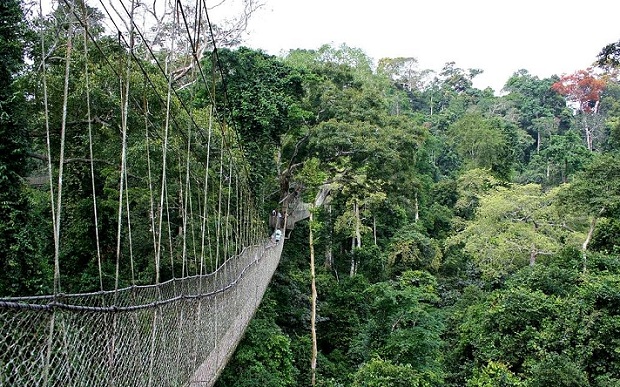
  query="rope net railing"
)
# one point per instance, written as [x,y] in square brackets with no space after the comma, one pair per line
[179,332]
[157,251]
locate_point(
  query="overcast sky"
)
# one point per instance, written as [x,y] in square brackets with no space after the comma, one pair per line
[545,37]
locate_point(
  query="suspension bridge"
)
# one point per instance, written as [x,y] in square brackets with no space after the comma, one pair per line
[157,193]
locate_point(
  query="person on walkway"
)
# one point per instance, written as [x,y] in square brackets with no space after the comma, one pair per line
[278,235]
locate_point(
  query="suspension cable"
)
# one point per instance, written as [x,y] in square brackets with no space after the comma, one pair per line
[124,91]
[61,162]
[90,143]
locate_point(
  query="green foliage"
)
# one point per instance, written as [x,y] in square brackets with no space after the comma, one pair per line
[342,311]
[562,156]
[264,358]
[606,236]
[23,272]
[371,262]
[558,275]
[470,187]
[494,374]
[262,96]
[412,250]
[378,373]
[557,370]
[482,143]
[548,323]
[405,327]
[513,227]
[596,190]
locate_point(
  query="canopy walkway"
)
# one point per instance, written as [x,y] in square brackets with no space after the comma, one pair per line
[156,254]
[178,333]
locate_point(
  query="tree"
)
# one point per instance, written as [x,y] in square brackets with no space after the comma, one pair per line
[481,143]
[380,373]
[259,96]
[609,56]
[23,272]
[410,249]
[538,106]
[583,88]
[548,324]
[311,178]
[563,156]
[264,356]
[405,327]
[514,226]
[594,192]
[494,374]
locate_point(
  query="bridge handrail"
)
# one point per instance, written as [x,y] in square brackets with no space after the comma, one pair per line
[139,291]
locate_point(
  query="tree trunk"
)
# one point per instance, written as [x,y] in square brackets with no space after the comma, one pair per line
[417,208]
[357,240]
[584,246]
[313,308]
[374,229]
[358,221]
[533,255]
[431,103]
[329,256]
[589,138]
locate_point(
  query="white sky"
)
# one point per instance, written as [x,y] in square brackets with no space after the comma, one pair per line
[545,37]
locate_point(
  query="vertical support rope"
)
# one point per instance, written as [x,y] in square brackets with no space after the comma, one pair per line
[186,200]
[48,350]
[193,232]
[47,129]
[205,212]
[169,227]
[61,161]
[124,113]
[218,227]
[50,335]
[90,143]
[129,236]
[150,182]
[238,215]
[229,220]
[164,166]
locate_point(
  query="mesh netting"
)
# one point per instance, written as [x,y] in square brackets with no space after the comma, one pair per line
[177,333]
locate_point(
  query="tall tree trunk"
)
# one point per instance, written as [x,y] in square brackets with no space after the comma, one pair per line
[538,141]
[352,270]
[357,240]
[589,138]
[431,103]
[584,246]
[329,256]
[533,250]
[417,208]
[533,255]
[358,223]
[374,229]
[313,308]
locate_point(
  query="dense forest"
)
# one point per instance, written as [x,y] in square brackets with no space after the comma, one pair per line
[466,237]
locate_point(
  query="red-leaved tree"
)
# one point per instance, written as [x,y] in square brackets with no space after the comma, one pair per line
[584,89]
